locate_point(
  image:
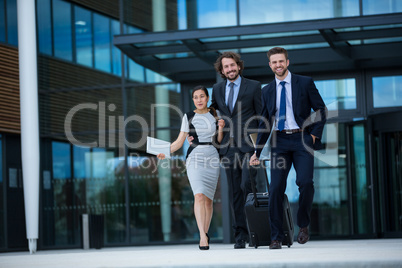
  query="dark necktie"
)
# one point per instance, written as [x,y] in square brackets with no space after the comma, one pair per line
[230,98]
[282,108]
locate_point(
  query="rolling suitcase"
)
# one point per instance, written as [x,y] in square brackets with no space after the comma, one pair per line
[257,215]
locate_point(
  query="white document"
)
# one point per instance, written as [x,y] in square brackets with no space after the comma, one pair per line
[157,146]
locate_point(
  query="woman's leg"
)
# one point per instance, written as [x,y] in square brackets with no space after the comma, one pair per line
[208,213]
[200,216]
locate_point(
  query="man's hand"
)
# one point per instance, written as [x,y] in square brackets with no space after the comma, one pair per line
[190,139]
[314,137]
[254,160]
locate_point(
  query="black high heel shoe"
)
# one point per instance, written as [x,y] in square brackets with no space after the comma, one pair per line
[205,247]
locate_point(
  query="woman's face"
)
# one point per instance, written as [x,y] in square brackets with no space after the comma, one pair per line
[200,99]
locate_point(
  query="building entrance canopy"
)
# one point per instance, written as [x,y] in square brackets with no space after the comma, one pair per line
[339,44]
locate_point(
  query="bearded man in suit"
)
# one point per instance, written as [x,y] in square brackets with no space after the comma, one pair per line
[238,100]
[286,104]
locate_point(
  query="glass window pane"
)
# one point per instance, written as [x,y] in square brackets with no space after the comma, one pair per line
[61,160]
[330,210]
[212,13]
[361,195]
[62,30]
[282,11]
[116,53]
[136,71]
[44,26]
[182,14]
[2,22]
[172,204]
[371,7]
[12,28]
[153,77]
[2,240]
[79,161]
[387,91]
[339,94]
[102,43]
[59,214]
[83,36]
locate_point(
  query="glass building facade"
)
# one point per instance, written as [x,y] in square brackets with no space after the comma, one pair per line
[99,100]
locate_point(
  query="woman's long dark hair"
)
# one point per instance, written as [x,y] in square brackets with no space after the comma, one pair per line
[200,87]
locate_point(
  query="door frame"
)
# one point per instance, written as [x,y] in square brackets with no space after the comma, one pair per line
[379,126]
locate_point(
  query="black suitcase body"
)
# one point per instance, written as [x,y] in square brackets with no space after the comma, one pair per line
[257,215]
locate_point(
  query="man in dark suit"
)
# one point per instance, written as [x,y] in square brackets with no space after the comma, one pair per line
[286,104]
[238,100]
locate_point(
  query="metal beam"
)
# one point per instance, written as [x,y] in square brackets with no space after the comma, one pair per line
[302,60]
[308,25]
[340,47]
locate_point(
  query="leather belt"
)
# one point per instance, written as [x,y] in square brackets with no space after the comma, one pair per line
[205,143]
[291,131]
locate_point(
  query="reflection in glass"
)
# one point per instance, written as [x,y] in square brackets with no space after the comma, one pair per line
[387,91]
[2,223]
[253,11]
[182,14]
[212,13]
[102,43]
[103,191]
[62,194]
[2,22]
[153,77]
[329,215]
[338,94]
[371,7]
[383,40]
[96,188]
[44,26]
[361,199]
[287,47]
[61,161]
[136,71]
[116,53]
[146,191]
[12,28]
[62,30]
[83,36]
[272,35]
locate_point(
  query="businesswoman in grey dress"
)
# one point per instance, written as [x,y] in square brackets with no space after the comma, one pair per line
[202,161]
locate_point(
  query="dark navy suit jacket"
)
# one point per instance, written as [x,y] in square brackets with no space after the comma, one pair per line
[305,97]
[243,118]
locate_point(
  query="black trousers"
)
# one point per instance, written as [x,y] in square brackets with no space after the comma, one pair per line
[236,165]
[290,149]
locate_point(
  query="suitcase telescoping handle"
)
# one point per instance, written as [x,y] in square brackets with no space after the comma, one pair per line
[253,177]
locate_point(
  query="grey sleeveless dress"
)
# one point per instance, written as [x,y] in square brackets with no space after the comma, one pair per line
[203,162]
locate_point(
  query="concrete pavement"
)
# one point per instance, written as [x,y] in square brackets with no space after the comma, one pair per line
[339,253]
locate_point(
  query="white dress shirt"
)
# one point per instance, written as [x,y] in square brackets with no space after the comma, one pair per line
[290,122]
[236,89]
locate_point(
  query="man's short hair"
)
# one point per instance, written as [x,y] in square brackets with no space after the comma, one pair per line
[277,50]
